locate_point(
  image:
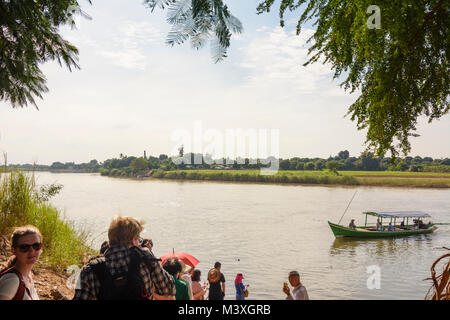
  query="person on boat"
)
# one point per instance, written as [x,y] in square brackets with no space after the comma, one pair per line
[352,224]
[390,227]
[379,226]
[240,287]
[299,291]
[16,281]
[422,225]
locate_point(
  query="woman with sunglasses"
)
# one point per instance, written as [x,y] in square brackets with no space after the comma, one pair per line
[16,281]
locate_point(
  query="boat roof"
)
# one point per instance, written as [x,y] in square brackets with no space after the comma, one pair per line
[399,214]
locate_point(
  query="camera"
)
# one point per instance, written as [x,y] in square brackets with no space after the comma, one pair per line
[145,242]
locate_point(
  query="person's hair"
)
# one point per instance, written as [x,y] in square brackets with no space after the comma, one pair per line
[196,275]
[217,265]
[16,235]
[294,274]
[173,266]
[123,229]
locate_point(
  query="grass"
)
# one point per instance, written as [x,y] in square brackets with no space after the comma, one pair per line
[396,173]
[293,177]
[22,203]
[406,182]
[366,178]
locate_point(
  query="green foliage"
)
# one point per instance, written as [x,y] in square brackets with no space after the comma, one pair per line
[199,21]
[139,164]
[401,68]
[29,37]
[344,155]
[92,166]
[158,173]
[255,176]
[21,203]
[319,164]
[309,166]
[333,165]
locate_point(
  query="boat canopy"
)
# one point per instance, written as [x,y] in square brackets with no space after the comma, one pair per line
[399,214]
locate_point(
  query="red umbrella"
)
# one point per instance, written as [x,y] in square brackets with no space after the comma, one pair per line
[183,256]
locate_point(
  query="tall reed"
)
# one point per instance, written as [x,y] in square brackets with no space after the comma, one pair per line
[22,202]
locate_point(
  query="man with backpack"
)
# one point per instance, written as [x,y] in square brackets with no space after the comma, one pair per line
[126,271]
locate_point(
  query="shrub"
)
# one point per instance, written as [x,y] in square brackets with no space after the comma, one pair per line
[104,172]
[22,203]
[158,174]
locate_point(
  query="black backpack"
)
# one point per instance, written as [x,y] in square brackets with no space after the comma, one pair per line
[124,286]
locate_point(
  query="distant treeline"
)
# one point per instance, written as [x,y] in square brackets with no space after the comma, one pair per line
[133,166]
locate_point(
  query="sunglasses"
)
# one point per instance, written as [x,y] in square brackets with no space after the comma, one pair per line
[26,247]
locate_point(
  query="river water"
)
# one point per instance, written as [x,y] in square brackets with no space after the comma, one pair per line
[266,230]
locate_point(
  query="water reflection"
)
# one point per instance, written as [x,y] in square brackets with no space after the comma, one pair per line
[381,246]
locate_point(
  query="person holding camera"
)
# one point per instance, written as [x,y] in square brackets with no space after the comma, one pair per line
[127,270]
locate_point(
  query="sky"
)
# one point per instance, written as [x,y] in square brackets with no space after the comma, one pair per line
[134,93]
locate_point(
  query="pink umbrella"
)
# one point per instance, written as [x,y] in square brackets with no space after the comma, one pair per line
[183,256]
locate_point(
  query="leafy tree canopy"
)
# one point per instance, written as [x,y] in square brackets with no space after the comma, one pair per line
[29,37]
[401,68]
[199,21]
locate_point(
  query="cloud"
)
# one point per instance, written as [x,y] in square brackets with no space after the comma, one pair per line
[275,59]
[126,45]
[129,45]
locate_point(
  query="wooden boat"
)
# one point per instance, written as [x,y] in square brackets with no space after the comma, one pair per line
[399,230]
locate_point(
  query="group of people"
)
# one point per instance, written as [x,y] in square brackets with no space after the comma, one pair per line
[390,227]
[379,225]
[126,269]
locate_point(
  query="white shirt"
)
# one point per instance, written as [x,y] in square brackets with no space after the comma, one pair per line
[298,293]
[9,284]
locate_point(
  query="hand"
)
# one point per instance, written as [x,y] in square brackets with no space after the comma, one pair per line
[147,243]
[286,290]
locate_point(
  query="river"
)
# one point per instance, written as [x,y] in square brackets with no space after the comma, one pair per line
[266,230]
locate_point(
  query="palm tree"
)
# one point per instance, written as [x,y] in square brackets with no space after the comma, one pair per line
[200,21]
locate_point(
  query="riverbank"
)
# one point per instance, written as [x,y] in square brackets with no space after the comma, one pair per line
[23,203]
[348,178]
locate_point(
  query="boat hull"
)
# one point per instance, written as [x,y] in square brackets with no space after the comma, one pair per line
[341,231]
